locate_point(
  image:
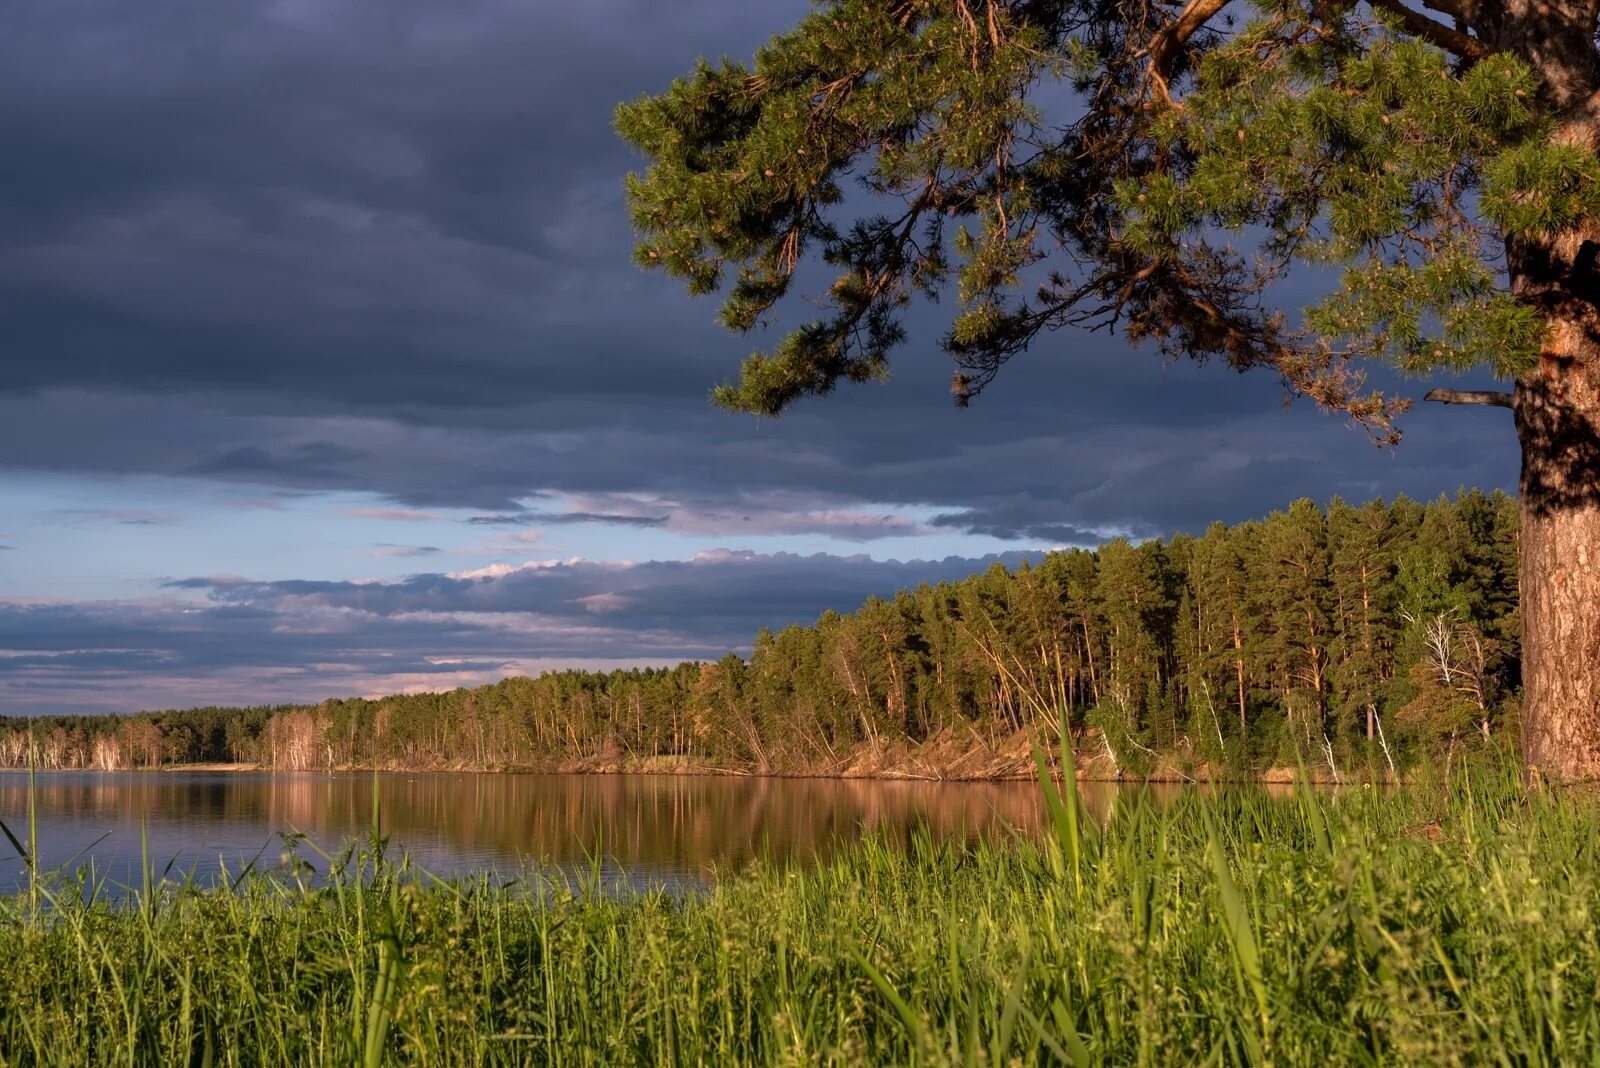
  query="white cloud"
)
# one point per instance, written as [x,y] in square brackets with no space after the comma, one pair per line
[499,570]
[602,603]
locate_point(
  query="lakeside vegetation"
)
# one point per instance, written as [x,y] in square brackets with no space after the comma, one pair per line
[1355,638]
[1434,924]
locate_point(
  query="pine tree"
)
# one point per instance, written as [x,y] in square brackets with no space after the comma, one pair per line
[1363,545]
[1085,624]
[1225,622]
[1441,158]
[1294,587]
[1133,600]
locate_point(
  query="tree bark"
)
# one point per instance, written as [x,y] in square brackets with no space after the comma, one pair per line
[1557,408]
[1558,422]
[1558,425]
[1238,667]
[1492,397]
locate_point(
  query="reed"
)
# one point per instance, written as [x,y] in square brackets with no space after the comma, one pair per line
[1447,923]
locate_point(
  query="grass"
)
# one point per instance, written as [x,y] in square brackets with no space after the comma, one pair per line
[1433,925]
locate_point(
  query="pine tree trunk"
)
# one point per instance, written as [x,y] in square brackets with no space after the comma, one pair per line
[1366,644]
[1558,413]
[1238,667]
[1558,422]
[1558,409]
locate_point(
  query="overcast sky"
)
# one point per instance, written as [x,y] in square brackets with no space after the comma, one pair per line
[326,372]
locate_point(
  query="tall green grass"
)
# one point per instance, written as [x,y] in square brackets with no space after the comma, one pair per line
[1440,924]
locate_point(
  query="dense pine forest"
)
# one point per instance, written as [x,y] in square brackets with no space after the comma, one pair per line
[1357,639]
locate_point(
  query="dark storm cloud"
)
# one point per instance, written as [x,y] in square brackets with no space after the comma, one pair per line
[316,245]
[474,624]
[155,639]
[1016,518]
[120,657]
[716,600]
[979,469]
[720,510]
[376,204]
[308,464]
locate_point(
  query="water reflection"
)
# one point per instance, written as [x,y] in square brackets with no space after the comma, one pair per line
[670,829]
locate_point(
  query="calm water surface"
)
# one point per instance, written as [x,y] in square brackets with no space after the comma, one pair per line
[643,829]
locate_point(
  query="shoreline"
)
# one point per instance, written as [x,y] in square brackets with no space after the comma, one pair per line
[1273,776]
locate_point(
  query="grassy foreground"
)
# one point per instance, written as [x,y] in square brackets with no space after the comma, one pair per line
[1429,926]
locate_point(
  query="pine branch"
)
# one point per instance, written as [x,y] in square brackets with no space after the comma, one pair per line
[1492,397]
[1435,33]
[1164,47]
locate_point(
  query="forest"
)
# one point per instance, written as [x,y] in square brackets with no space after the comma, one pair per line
[1357,640]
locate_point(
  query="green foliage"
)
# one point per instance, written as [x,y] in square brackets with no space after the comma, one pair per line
[747,163]
[1051,148]
[1536,187]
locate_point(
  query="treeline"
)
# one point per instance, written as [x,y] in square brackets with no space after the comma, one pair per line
[1351,637]
[211,735]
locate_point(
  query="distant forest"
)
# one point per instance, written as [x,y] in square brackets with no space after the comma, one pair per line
[1356,639]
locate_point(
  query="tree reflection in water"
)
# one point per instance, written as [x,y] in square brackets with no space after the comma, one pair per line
[676,830]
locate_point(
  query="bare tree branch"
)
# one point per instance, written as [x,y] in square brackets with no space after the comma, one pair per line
[1435,33]
[1164,47]
[1492,397]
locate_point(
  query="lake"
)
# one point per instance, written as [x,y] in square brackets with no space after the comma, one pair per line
[678,831]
